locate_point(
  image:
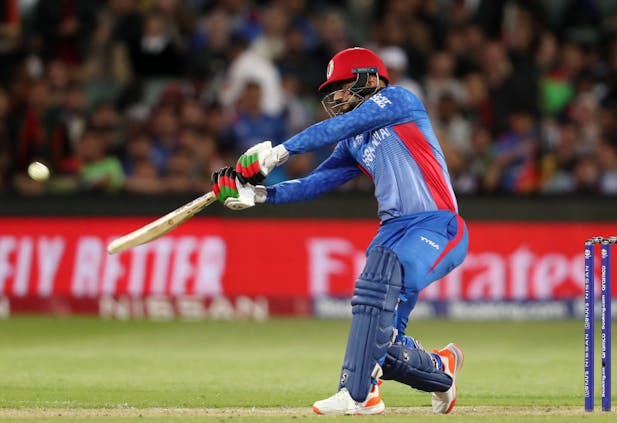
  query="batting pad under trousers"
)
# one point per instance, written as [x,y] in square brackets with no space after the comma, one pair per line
[407,254]
[428,245]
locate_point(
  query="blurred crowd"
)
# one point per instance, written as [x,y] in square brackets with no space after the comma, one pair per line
[151,96]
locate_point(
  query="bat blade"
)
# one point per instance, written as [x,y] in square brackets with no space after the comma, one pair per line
[162,225]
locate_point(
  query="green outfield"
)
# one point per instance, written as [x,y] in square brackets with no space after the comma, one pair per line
[89,369]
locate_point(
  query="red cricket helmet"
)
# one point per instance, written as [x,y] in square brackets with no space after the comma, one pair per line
[347,63]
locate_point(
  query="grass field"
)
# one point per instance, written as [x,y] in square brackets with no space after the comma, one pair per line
[84,369]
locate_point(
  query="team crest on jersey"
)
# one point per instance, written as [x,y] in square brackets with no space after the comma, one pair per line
[330,69]
[358,140]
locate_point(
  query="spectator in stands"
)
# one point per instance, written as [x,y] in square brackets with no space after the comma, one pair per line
[607,159]
[59,79]
[218,121]
[180,175]
[6,152]
[557,85]
[143,179]
[10,37]
[248,66]
[66,65]
[464,43]
[449,121]
[204,152]
[244,17]
[610,80]
[583,111]
[297,61]
[334,36]
[514,167]
[497,68]
[73,121]
[440,80]
[295,114]
[209,44]
[270,44]
[137,148]
[40,135]
[560,160]
[252,124]
[138,166]
[477,103]
[395,60]
[63,28]
[126,21]
[191,114]
[520,37]
[100,171]
[479,161]
[164,131]
[107,68]
[586,175]
[106,120]
[158,52]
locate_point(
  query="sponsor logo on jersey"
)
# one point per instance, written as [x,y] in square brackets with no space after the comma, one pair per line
[381,100]
[430,242]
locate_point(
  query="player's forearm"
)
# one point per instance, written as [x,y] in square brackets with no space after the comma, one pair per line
[309,187]
[292,192]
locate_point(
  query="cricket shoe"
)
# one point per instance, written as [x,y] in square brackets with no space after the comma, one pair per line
[342,403]
[452,358]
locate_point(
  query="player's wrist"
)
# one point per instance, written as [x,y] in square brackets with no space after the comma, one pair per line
[261,194]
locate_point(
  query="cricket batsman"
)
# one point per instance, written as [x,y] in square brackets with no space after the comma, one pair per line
[384,132]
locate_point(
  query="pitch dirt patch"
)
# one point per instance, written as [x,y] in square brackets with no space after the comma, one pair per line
[265,412]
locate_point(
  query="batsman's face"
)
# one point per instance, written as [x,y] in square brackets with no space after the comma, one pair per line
[346,98]
[343,93]
[341,100]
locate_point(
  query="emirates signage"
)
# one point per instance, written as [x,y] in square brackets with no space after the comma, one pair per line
[278,261]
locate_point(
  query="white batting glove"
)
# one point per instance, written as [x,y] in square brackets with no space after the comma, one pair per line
[248,196]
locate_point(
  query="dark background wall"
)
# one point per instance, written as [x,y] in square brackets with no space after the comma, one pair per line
[338,205]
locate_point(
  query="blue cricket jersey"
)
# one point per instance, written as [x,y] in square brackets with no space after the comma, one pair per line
[389,137]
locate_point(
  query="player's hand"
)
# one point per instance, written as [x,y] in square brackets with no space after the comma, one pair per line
[259,160]
[230,190]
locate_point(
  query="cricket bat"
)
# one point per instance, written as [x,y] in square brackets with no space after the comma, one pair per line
[161,226]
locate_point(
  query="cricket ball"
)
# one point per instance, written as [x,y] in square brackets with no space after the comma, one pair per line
[38,171]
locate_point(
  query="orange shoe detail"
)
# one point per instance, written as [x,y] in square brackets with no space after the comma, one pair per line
[374,397]
[452,358]
[342,403]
